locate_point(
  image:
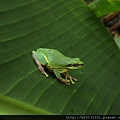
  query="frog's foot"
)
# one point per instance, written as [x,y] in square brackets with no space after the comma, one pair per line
[67,76]
[45,73]
[65,81]
[42,69]
[39,65]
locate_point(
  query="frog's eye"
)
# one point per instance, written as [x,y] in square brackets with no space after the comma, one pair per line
[69,65]
[75,64]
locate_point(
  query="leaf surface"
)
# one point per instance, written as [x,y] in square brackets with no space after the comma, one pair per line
[70,27]
[103,7]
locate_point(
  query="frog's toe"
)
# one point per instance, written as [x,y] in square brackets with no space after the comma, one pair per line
[45,74]
[74,79]
[71,79]
[68,84]
[67,81]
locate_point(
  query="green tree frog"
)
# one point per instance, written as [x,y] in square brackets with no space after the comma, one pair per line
[57,63]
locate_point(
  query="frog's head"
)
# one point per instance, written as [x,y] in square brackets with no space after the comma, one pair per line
[75,63]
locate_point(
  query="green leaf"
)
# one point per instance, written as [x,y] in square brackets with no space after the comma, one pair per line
[12,106]
[70,27]
[117,40]
[103,7]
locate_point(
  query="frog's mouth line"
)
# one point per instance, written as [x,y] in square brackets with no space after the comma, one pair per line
[74,65]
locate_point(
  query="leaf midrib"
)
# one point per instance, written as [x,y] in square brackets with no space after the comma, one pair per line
[27,108]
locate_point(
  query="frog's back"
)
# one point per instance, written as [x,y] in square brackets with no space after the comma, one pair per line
[51,53]
[54,57]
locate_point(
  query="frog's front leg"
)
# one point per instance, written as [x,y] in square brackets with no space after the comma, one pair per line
[39,65]
[57,74]
[67,76]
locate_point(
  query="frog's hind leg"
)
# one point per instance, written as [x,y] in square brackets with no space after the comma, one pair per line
[39,65]
[57,74]
[67,76]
